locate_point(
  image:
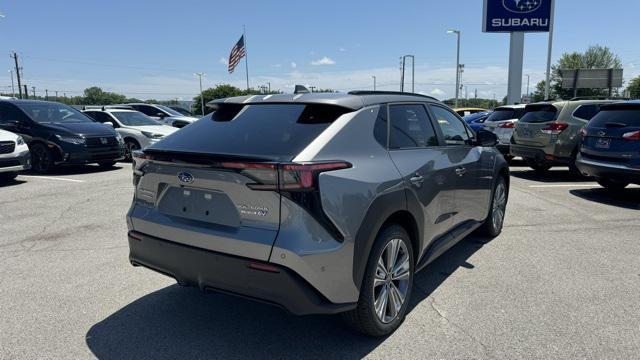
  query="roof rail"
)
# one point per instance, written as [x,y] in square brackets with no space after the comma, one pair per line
[597,98]
[375,92]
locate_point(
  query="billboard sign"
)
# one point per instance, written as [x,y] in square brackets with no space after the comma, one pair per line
[517,15]
[591,78]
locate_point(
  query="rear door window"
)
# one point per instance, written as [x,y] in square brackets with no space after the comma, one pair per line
[275,132]
[586,112]
[410,127]
[501,115]
[539,114]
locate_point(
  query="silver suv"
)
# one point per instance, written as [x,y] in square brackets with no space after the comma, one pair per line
[318,203]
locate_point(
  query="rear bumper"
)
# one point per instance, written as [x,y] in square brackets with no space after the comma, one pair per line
[528,152]
[206,269]
[608,170]
[504,149]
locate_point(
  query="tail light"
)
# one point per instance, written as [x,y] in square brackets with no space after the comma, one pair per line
[554,128]
[285,177]
[507,125]
[632,135]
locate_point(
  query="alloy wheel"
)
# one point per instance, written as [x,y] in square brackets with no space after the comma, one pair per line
[391,280]
[499,205]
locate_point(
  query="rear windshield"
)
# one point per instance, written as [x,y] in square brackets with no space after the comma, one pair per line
[539,114]
[502,114]
[618,117]
[275,132]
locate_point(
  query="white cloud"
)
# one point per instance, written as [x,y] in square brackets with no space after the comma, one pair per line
[437,92]
[223,61]
[342,49]
[324,61]
[294,65]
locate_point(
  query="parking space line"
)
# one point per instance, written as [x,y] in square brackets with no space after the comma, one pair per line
[52,178]
[562,185]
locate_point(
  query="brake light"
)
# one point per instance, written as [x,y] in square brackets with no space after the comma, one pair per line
[507,125]
[287,176]
[554,128]
[632,135]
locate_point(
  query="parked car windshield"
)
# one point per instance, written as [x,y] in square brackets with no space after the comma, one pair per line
[539,114]
[627,115]
[502,114]
[134,118]
[169,110]
[270,131]
[53,113]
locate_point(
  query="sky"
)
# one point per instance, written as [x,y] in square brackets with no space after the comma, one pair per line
[151,49]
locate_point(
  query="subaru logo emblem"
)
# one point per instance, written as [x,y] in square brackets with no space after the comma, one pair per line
[185,177]
[601,133]
[103,141]
[521,6]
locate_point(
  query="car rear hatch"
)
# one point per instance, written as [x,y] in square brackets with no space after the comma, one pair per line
[614,134]
[537,126]
[502,122]
[216,183]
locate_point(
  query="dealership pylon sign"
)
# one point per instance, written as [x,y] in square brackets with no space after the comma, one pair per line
[517,15]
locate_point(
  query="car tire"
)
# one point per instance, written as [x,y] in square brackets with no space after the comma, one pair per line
[375,313]
[494,222]
[130,146]
[612,185]
[41,158]
[8,176]
[538,166]
[107,164]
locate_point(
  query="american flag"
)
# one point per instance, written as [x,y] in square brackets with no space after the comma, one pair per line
[237,53]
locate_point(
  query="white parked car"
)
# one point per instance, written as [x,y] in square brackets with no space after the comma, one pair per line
[137,129]
[14,155]
[502,122]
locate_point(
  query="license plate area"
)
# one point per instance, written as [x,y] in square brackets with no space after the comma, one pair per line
[603,143]
[200,205]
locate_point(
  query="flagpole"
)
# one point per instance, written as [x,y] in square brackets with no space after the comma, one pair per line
[246,56]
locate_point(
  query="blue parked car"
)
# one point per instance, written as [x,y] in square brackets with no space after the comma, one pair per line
[476,121]
[610,149]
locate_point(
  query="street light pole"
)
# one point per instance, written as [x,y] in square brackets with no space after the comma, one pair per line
[374,82]
[527,85]
[457,32]
[200,75]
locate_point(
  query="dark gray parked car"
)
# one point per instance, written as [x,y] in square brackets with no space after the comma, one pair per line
[318,203]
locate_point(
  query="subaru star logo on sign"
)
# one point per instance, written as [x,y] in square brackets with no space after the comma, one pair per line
[517,15]
[185,177]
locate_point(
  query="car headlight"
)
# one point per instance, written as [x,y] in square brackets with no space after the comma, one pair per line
[151,135]
[19,141]
[119,138]
[71,139]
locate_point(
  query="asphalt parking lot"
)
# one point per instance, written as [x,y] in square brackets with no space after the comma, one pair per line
[561,281]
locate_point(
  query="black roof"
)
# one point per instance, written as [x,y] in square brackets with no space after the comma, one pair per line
[353,100]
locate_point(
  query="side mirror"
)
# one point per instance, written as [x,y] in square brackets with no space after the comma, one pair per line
[486,138]
[108,123]
[161,115]
[12,124]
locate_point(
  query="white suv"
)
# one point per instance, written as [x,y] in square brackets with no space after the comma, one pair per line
[14,155]
[137,129]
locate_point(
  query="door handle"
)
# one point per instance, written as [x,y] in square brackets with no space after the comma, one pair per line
[461,171]
[417,180]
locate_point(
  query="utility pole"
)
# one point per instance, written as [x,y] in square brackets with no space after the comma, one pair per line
[13,89]
[200,75]
[56,95]
[269,85]
[34,91]
[312,88]
[46,94]
[413,73]
[15,59]
[527,85]
[26,93]
[374,82]
[458,33]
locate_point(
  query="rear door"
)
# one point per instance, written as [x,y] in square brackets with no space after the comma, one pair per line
[214,183]
[425,168]
[614,134]
[472,174]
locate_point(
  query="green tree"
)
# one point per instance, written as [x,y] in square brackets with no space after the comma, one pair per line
[96,96]
[634,88]
[595,57]
[218,92]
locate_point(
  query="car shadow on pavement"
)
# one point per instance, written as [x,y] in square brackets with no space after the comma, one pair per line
[12,182]
[76,170]
[625,198]
[176,322]
[551,176]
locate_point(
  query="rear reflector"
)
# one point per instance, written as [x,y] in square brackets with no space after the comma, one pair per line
[632,135]
[263,267]
[507,125]
[554,128]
